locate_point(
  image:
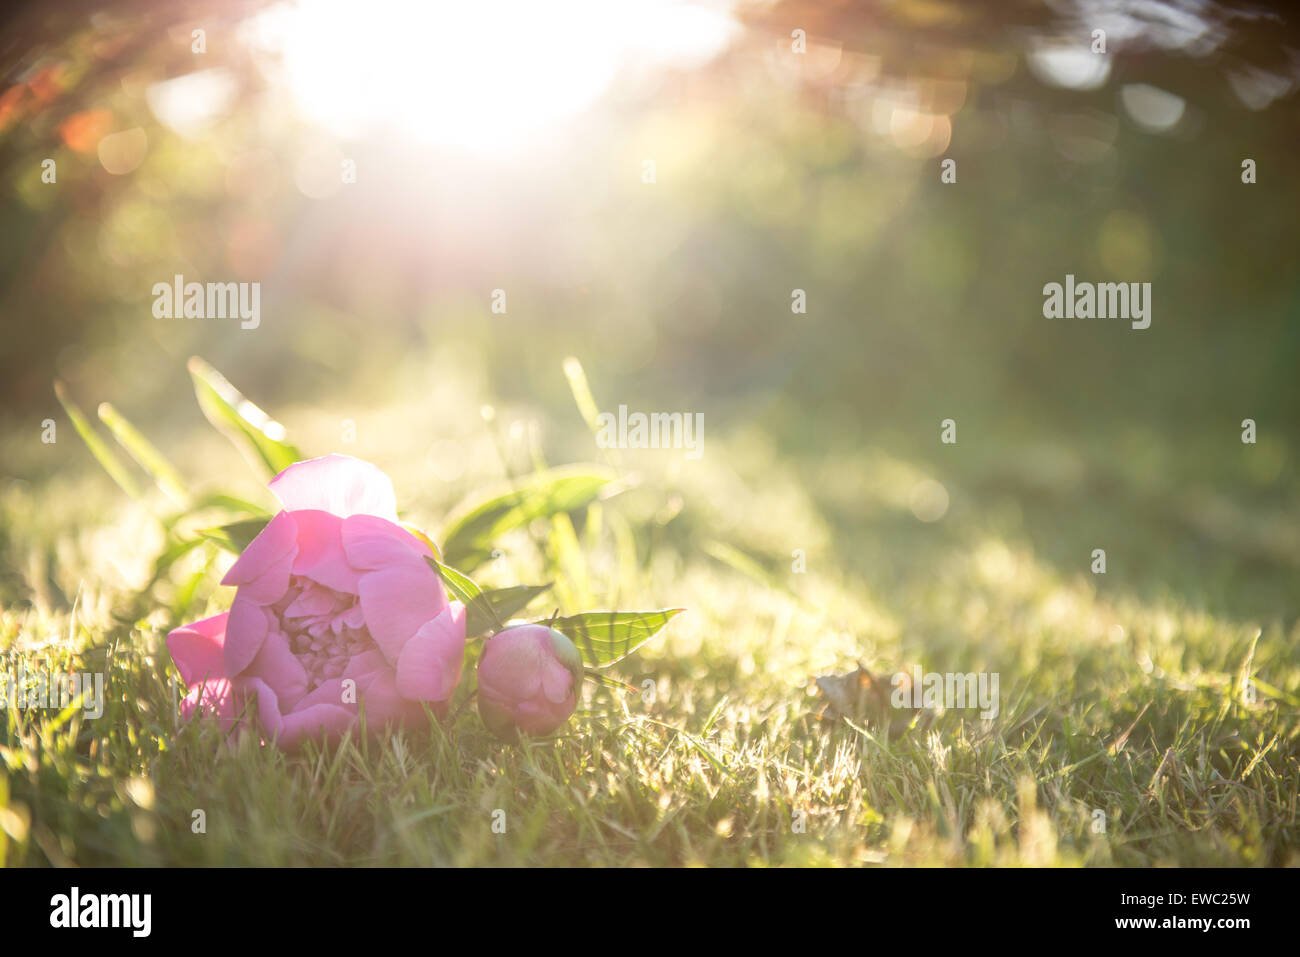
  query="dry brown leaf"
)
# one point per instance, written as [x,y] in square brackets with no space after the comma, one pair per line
[865,698]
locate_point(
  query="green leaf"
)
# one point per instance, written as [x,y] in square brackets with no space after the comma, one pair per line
[505,602]
[478,524]
[170,556]
[605,637]
[462,587]
[222,500]
[236,536]
[106,457]
[227,508]
[228,503]
[253,432]
[145,454]
[485,610]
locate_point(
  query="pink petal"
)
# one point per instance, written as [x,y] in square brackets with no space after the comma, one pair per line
[262,571]
[366,664]
[324,721]
[246,629]
[338,484]
[557,682]
[268,705]
[320,551]
[532,718]
[384,705]
[213,698]
[328,692]
[511,665]
[372,542]
[197,649]
[280,669]
[311,601]
[398,600]
[428,667]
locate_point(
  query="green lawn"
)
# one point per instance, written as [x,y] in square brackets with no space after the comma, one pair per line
[1164,694]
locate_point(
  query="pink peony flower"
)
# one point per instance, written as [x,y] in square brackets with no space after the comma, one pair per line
[528,678]
[336,609]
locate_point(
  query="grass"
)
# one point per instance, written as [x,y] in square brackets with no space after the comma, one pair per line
[1164,694]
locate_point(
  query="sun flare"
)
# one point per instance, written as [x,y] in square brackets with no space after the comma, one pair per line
[450,74]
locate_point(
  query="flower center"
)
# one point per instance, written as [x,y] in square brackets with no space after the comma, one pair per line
[326,628]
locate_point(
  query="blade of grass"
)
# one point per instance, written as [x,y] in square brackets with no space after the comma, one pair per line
[145,453]
[113,465]
[586,403]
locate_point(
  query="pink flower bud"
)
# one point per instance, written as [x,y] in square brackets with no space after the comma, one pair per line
[528,678]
